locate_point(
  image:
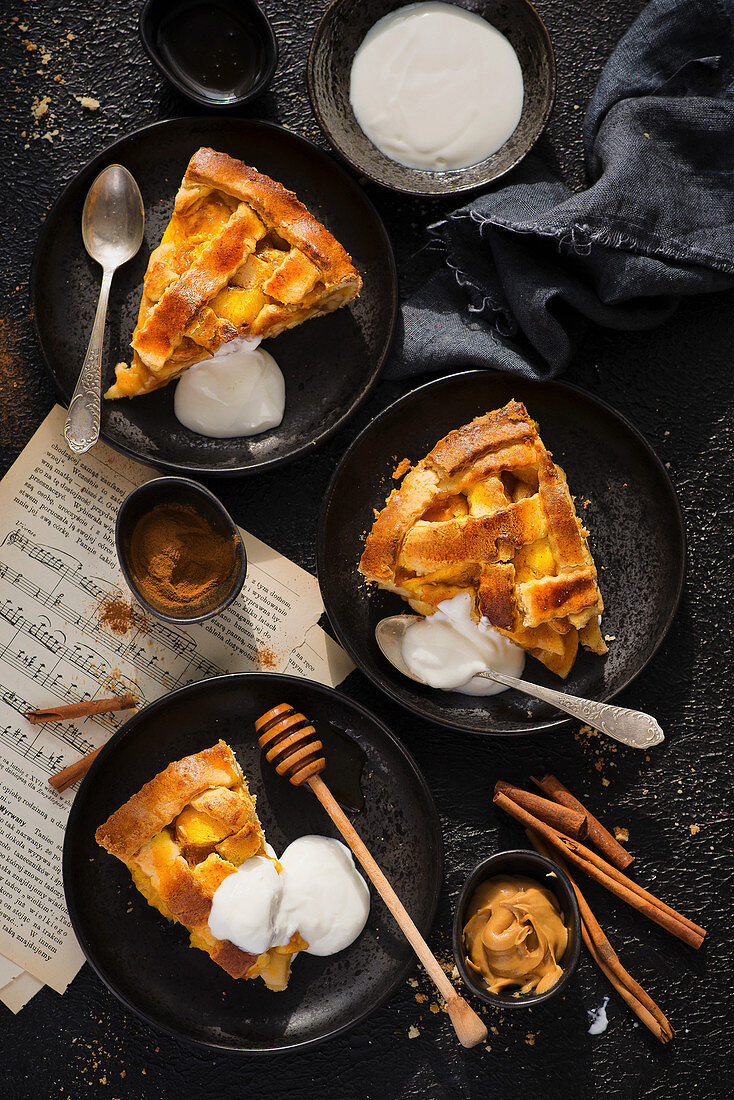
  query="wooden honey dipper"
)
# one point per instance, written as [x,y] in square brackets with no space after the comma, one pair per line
[292,745]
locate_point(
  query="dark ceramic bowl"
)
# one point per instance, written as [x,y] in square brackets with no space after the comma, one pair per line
[340,34]
[181,490]
[184,40]
[532,865]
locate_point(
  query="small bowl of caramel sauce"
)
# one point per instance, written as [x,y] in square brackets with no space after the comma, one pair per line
[517,930]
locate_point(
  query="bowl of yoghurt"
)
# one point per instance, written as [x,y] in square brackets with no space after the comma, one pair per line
[432,98]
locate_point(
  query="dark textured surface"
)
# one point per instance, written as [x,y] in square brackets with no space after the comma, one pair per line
[674,384]
[339,37]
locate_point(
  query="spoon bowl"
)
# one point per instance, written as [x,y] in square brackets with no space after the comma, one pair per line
[113,221]
[113,218]
[631,727]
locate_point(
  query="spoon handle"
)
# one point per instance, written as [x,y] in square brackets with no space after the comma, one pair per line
[81,430]
[631,727]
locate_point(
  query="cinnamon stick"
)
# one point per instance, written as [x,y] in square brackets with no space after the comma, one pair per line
[82,709]
[68,776]
[567,821]
[613,873]
[608,961]
[643,902]
[600,837]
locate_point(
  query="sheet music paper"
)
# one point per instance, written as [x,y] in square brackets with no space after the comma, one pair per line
[57,567]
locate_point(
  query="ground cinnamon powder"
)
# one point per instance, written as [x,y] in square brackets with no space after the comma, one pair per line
[177,558]
[119,615]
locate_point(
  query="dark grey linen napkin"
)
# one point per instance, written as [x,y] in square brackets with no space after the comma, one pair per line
[529,265]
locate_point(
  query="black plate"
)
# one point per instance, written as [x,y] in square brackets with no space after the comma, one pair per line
[330,364]
[147,962]
[340,34]
[637,539]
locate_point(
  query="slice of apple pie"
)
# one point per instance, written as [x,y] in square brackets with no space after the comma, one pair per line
[180,836]
[488,512]
[241,256]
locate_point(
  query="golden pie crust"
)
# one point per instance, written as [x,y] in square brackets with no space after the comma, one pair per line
[241,256]
[180,836]
[488,512]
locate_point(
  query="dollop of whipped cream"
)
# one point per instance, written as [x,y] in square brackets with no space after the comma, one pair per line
[237,392]
[318,892]
[448,649]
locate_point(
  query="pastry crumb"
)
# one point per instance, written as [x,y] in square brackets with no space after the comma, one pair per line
[433,1007]
[88,101]
[530,1039]
[402,467]
[605,782]
[621,834]
[413,983]
[421,997]
[413,1032]
[610,637]
[39,107]
[695,829]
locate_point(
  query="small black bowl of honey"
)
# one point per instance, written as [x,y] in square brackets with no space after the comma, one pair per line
[219,53]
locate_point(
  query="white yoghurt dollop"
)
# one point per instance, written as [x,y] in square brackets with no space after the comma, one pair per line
[436,87]
[319,893]
[448,649]
[239,391]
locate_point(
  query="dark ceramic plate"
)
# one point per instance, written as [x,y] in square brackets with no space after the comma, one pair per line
[147,962]
[340,34]
[330,363]
[637,539]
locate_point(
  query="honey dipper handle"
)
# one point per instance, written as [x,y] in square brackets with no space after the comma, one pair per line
[468,1026]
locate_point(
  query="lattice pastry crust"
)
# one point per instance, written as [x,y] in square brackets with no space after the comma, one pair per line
[180,836]
[488,512]
[241,256]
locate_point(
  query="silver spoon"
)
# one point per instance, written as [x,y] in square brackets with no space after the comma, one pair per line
[112,230]
[631,727]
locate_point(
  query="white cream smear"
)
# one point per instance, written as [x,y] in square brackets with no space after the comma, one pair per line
[448,649]
[598,1018]
[436,87]
[319,893]
[239,391]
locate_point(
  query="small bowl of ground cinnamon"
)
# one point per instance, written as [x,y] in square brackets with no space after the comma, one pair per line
[180,551]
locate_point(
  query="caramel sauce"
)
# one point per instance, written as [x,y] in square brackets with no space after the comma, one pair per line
[515,935]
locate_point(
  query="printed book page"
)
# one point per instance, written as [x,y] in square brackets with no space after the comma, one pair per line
[58,578]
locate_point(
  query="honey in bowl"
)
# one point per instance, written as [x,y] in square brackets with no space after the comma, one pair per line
[217,50]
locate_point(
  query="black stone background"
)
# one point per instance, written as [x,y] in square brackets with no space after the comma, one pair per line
[675,385]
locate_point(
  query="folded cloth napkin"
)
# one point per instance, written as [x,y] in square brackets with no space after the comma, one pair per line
[528,265]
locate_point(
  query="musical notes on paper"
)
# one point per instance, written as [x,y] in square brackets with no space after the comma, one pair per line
[19,742]
[58,570]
